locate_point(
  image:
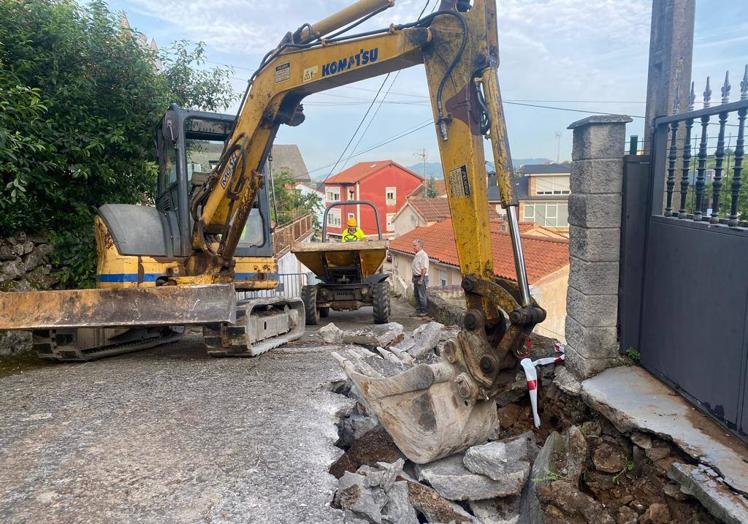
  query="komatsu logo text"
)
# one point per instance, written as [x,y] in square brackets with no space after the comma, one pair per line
[361,58]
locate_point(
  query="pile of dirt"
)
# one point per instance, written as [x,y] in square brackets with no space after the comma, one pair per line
[575,468]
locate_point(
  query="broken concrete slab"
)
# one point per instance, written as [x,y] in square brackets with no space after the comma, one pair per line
[382,335]
[355,496]
[703,484]
[399,508]
[435,507]
[453,481]
[507,460]
[562,457]
[331,334]
[422,340]
[496,511]
[632,399]
[566,381]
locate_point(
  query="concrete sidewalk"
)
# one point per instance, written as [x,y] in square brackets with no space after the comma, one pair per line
[171,435]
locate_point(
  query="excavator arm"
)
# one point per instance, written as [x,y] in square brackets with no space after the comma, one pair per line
[433,410]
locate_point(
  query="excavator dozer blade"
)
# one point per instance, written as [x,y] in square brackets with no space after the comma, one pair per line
[88,324]
[128,307]
[419,407]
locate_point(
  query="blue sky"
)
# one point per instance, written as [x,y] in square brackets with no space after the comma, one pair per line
[575,54]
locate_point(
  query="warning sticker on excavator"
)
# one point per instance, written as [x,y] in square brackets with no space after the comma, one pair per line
[459,184]
[282,72]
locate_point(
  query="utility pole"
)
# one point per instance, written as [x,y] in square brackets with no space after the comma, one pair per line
[670,60]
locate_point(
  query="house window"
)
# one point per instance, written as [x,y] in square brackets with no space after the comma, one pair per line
[551,215]
[333,217]
[390,221]
[332,194]
[351,194]
[552,185]
[548,215]
[442,278]
[391,196]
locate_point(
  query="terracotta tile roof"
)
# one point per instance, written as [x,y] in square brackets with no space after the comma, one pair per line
[431,209]
[542,256]
[439,186]
[362,170]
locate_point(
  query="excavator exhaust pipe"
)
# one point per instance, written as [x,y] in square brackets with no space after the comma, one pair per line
[422,408]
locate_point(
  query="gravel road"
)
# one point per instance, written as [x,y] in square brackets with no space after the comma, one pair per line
[171,435]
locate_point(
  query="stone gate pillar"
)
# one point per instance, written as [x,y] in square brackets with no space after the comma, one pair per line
[594,243]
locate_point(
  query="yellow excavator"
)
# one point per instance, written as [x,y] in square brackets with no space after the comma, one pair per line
[180,263]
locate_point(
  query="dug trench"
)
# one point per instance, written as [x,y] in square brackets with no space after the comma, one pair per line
[575,468]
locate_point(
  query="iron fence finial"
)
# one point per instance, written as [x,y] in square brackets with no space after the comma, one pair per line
[707,94]
[744,85]
[692,96]
[726,88]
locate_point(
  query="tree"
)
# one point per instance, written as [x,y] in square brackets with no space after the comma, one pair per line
[208,90]
[80,98]
[431,188]
[289,204]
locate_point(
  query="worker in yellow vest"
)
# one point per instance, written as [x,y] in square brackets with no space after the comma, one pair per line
[353,233]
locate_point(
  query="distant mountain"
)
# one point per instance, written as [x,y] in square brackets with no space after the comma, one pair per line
[434,169]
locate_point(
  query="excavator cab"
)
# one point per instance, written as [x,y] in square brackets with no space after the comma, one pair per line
[189,145]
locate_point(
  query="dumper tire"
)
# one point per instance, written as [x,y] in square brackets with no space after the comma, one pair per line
[324,312]
[380,294]
[309,297]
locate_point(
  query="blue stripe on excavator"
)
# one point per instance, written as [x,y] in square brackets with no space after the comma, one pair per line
[127,277]
[152,277]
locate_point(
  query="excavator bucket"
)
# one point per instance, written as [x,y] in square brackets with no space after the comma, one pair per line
[419,406]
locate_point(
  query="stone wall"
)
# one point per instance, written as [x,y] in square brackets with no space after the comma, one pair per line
[24,266]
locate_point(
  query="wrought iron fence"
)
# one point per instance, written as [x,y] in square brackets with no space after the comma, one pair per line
[289,286]
[705,180]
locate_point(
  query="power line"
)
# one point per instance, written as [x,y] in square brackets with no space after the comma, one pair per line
[355,148]
[565,109]
[382,144]
[353,136]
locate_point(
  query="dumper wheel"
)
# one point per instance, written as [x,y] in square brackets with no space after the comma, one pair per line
[324,312]
[380,294]
[309,297]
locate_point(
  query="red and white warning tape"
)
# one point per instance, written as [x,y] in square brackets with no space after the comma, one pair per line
[532,376]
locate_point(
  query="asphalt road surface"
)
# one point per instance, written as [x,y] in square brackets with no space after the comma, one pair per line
[172,435]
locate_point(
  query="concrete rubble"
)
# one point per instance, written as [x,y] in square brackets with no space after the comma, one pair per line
[704,484]
[422,340]
[586,470]
[382,335]
[331,334]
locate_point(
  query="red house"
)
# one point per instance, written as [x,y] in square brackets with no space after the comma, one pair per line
[385,183]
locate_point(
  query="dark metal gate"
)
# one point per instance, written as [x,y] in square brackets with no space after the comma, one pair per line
[684,285]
